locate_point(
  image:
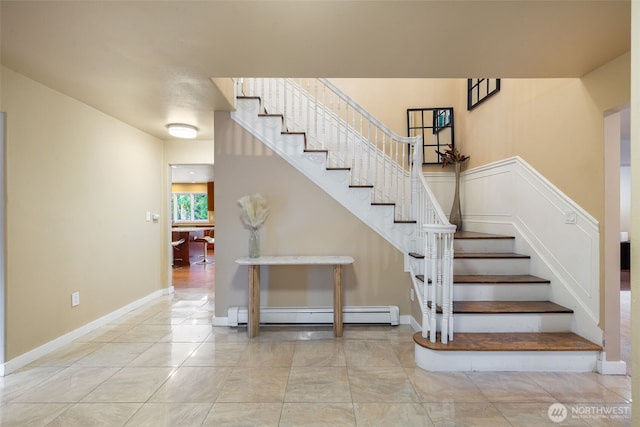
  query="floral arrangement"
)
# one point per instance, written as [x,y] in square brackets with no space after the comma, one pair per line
[255,210]
[451,156]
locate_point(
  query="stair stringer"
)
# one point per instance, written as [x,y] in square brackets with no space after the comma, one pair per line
[290,147]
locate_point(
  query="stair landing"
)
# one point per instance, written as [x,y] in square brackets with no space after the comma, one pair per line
[511,341]
[522,352]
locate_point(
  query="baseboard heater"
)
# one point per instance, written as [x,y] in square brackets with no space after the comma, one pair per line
[389,315]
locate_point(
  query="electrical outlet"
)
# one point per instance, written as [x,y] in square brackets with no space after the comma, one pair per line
[411,294]
[75,299]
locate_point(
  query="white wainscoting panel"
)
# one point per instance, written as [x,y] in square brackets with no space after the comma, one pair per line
[510,197]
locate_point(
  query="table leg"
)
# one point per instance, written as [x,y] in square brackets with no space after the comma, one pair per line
[253,321]
[337,300]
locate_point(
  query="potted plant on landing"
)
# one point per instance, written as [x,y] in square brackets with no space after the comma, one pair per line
[452,156]
[254,212]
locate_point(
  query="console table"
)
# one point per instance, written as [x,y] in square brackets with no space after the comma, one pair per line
[253,322]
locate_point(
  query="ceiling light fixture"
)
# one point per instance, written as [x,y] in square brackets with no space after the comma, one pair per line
[180,130]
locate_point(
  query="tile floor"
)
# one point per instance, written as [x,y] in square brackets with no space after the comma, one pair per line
[164,365]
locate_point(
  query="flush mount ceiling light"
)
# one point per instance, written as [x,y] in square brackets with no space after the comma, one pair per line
[180,130]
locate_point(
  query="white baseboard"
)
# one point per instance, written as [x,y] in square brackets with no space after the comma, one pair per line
[38,352]
[610,367]
[220,321]
[316,315]
[414,324]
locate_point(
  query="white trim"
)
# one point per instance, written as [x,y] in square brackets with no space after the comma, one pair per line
[317,315]
[220,321]
[502,361]
[610,367]
[510,197]
[414,324]
[38,352]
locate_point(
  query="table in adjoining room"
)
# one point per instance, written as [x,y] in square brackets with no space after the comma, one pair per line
[254,264]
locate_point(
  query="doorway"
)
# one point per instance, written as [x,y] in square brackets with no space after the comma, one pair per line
[192,214]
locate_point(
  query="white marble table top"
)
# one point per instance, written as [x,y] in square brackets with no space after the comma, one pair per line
[296,260]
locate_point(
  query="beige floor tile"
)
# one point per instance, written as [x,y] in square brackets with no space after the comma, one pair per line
[170,414]
[193,384]
[69,354]
[316,333]
[510,387]
[319,353]
[244,414]
[114,354]
[165,354]
[96,415]
[106,333]
[317,414]
[380,384]
[225,334]
[359,332]
[145,333]
[255,385]
[30,414]
[188,333]
[273,354]
[216,354]
[318,384]
[533,414]
[576,388]
[391,414]
[131,384]
[405,352]
[369,353]
[465,414]
[69,385]
[620,384]
[167,318]
[18,383]
[444,386]
[276,334]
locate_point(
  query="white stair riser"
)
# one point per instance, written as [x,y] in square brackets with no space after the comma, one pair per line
[535,322]
[483,245]
[500,292]
[491,266]
[520,361]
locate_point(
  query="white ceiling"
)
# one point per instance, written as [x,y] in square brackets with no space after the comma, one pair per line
[192,173]
[149,63]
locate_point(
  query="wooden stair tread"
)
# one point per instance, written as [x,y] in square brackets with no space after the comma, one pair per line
[510,341]
[508,307]
[498,278]
[489,255]
[479,279]
[475,235]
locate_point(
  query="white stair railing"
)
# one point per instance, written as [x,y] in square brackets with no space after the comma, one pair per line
[377,157]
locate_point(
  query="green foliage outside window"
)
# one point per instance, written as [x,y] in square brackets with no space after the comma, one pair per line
[189,207]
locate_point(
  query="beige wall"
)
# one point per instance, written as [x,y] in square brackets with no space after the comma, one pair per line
[78,186]
[389,99]
[303,221]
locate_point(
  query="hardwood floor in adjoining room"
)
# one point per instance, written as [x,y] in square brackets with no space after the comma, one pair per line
[196,275]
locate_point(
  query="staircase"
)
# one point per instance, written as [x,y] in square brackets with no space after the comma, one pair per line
[503,318]
[501,315]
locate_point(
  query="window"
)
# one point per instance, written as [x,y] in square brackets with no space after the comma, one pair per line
[479,90]
[189,207]
[435,126]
